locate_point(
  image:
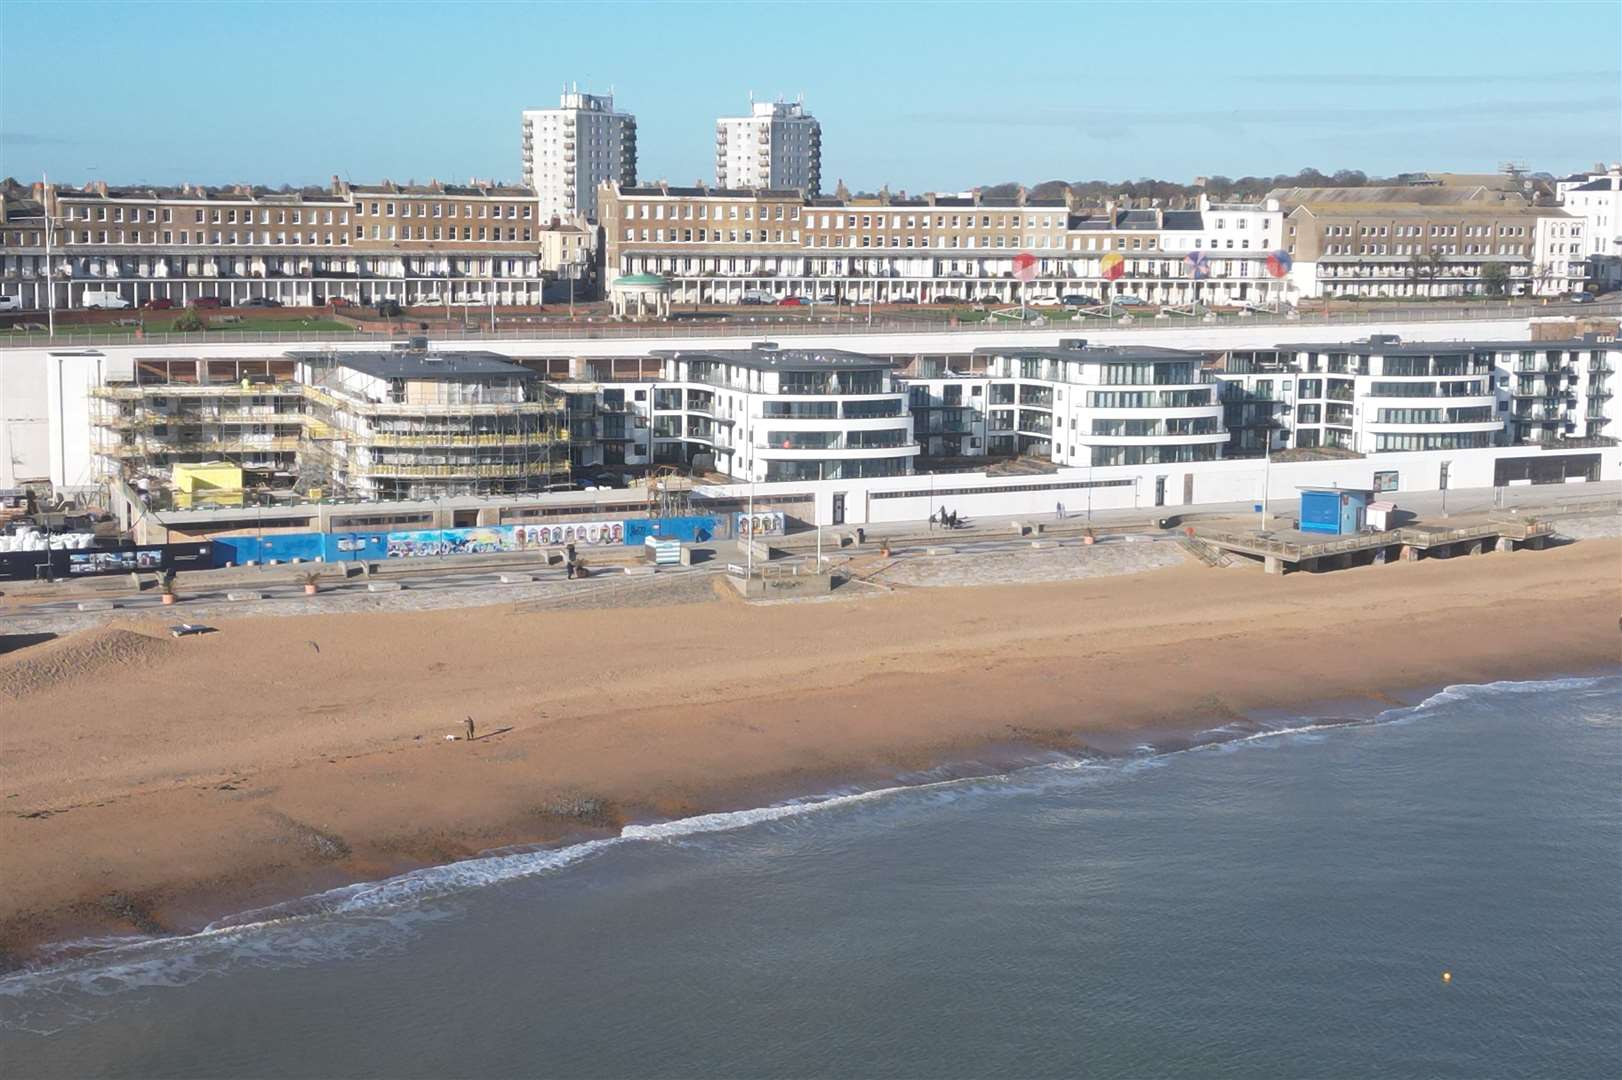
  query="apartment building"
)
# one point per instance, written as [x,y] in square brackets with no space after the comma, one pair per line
[1103,405]
[778,146]
[570,151]
[1257,390]
[1409,241]
[1382,395]
[150,415]
[418,422]
[767,413]
[1561,264]
[413,244]
[724,245]
[1597,198]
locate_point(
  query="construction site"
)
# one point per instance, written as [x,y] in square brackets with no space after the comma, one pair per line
[415,423]
[205,431]
[403,424]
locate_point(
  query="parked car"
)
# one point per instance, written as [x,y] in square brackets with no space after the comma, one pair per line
[261,301]
[207,302]
[159,303]
[903,300]
[429,300]
[945,298]
[988,298]
[1129,300]
[828,298]
[1077,300]
[791,301]
[1580,298]
[11,303]
[755,296]
[105,299]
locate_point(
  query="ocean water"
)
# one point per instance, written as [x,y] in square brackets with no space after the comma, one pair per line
[1283,903]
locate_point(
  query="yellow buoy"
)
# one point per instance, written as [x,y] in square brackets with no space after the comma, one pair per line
[1447,976]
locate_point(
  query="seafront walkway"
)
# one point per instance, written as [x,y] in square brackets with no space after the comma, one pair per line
[1431,506]
[1000,550]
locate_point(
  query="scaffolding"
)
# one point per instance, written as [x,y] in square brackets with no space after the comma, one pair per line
[246,413]
[428,436]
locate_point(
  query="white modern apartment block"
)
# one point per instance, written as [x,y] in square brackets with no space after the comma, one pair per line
[1103,405]
[778,146]
[769,413]
[570,150]
[1384,396]
[1381,395]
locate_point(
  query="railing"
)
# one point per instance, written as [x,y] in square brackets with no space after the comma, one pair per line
[539,439]
[1294,551]
[326,397]
[196,446]
[853,325]
[478,471]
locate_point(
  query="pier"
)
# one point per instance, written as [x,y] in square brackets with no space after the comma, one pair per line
[1282,551]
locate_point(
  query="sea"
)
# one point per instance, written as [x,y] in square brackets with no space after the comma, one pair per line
[1433,890]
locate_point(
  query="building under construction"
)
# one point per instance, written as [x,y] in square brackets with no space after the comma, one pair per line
[414,422]
[155,419]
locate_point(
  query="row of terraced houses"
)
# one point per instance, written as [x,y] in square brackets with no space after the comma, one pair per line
[726,246]
[488,244]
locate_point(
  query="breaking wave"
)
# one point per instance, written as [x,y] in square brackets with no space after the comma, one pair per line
[75,980]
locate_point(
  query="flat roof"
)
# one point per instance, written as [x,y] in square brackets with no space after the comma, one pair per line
[1096,353]
[781,359]
[409,364]
[1432,348]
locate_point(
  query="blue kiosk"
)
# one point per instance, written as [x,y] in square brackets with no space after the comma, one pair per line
[1337,511]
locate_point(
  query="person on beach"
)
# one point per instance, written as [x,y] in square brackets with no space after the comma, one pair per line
[470,729]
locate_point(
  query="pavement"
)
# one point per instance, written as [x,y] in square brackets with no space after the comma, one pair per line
[981,551]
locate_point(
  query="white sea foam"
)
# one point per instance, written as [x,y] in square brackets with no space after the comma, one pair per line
[371,915]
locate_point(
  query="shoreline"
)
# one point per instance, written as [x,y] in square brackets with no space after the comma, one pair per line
[743,708]
[49,957]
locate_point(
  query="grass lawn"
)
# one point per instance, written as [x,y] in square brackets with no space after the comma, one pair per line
[163,323]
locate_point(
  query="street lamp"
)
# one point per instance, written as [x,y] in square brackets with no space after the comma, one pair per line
[749,526]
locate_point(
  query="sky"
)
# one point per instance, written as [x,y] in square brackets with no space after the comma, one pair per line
[919,96]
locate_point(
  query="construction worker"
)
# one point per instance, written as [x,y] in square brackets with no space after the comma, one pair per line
[470,729]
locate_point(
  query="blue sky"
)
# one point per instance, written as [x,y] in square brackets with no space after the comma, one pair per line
[916,95]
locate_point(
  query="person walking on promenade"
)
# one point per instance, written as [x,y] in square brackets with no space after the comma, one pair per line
[470,729]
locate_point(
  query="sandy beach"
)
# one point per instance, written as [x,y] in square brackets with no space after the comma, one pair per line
[150,784]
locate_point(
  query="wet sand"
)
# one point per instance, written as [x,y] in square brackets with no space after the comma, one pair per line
[150,784]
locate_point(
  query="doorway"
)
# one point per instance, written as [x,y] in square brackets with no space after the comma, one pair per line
[1160,491]
[1188,489]
[839,508]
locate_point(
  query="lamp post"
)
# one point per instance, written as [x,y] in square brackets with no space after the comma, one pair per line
[1267,475]
[816,505]
[50,275]
[749,528]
